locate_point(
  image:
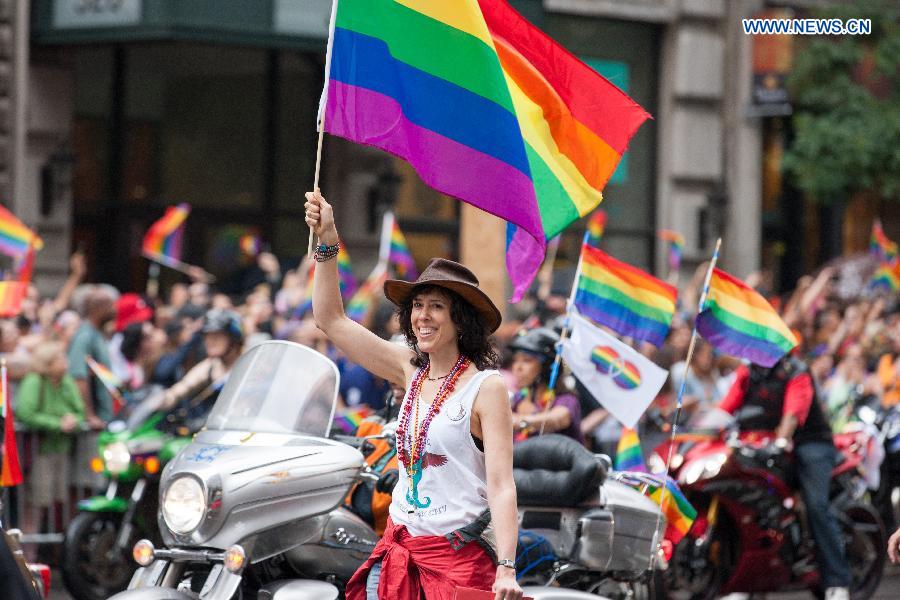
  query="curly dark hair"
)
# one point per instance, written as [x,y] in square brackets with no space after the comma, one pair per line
[474,338]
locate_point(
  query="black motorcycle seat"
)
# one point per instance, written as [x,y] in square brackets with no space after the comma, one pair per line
[555,470]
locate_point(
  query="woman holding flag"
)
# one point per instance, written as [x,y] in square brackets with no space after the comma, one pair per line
[454,505]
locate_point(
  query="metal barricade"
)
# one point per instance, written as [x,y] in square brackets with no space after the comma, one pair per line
[19,509]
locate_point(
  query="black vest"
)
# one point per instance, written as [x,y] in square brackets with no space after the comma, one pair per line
[766,389]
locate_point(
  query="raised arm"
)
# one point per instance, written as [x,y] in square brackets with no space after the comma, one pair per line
[380,357]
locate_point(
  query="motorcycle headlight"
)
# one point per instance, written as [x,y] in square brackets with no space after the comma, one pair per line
[705,468]
[116,457]
[183,505]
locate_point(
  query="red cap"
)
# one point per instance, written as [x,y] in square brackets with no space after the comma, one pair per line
[131,308]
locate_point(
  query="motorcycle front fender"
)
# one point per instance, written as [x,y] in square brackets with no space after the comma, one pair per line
[103,504]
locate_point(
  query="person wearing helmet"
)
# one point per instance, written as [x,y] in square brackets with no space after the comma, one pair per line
[536,408]
[223,338]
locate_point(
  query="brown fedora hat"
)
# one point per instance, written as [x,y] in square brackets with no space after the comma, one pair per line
[453,276]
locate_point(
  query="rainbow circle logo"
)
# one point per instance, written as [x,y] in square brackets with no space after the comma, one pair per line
[608,362]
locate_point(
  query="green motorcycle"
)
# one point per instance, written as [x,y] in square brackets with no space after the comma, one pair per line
[96,556]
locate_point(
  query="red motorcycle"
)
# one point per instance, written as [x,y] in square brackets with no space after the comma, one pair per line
[751,534]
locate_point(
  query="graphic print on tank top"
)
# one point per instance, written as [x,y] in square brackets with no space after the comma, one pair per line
[449,489]
[428,459]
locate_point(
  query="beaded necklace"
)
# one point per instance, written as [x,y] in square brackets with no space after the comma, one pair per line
[411,446]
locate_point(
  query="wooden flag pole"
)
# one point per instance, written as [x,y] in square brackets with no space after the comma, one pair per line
[320,117]
[678,402]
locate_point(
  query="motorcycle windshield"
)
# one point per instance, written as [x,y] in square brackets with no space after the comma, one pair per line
[278,387]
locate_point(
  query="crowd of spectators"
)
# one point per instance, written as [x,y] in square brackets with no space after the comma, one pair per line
[851,345]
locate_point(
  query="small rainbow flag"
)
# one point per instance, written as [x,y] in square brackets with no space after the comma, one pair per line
[15,237]
[880,245]
[400,256]
[11,295]
[163,239]
[348,420]
[359,305]
[628,452]
[306,303]
[10,469]
[109,380]
[738,321]
[345,272]
[595,227]
[250,245]
[886,277]
[631,302]
[678,511]
[676,247]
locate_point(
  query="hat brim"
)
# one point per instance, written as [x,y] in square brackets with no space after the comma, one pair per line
[398,291]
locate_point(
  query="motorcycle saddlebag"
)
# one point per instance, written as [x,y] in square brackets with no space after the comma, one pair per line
[617,535]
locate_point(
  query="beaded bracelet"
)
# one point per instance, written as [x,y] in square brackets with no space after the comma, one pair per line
[325,252]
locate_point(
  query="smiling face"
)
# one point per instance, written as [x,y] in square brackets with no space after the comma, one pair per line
[431,323]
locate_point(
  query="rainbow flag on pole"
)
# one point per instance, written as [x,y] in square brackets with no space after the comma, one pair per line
[629,301]
[676,247]
[345,273]
[880,245]
[738,321]
[109,380]
[15,237]
[399,254]
[368,293]
[628,452]
[11,295]
[678,511]
[10,470]
[484,106]
[886,277]
[349,419]
[163,239]
[596,227]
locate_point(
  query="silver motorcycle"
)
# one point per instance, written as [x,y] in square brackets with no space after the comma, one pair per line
[253,507]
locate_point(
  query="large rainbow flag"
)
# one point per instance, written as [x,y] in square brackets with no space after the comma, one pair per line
[15,237]
[484,106]
[163,239]
[738,321]
[624,298]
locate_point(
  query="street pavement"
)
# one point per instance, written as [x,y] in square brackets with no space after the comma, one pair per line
[888,590]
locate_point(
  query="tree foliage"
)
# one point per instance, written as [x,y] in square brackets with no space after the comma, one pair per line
[846,118]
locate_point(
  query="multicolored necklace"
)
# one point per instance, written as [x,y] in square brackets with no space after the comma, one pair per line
[411,443]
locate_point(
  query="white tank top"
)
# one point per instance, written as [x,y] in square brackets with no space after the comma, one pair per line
[451,490]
